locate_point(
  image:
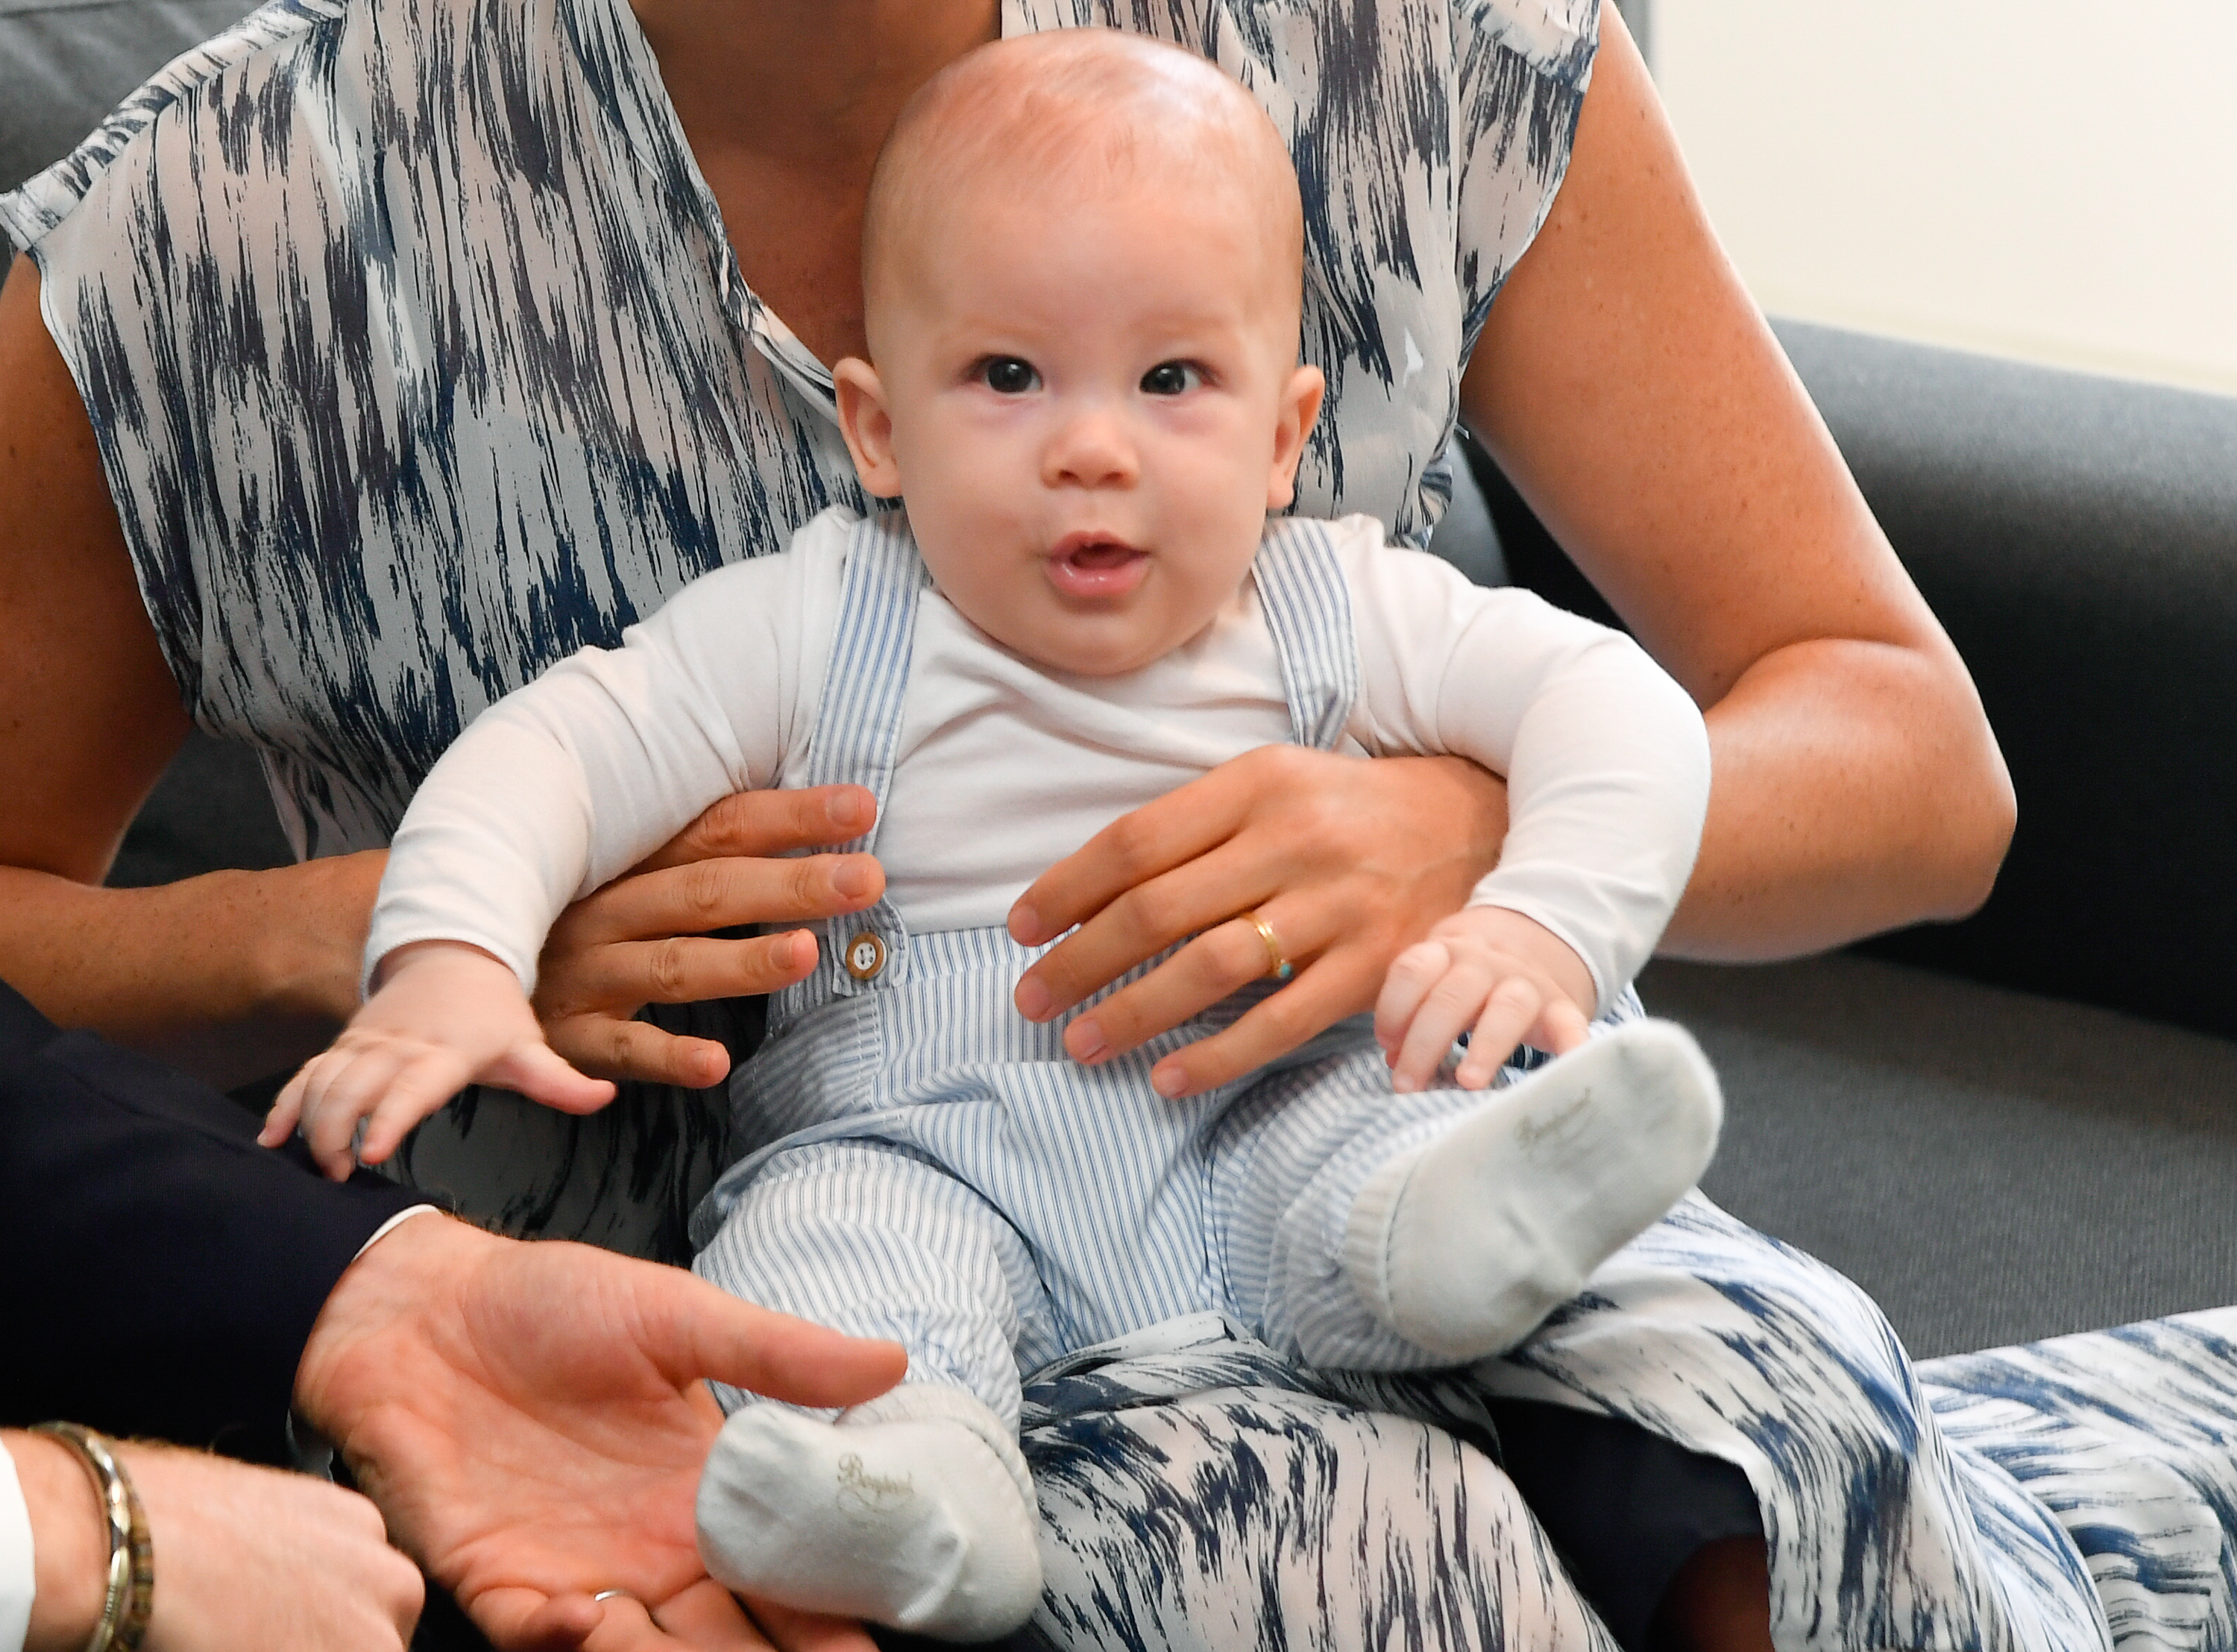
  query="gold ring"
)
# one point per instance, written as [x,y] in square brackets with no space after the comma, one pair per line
[1278,967]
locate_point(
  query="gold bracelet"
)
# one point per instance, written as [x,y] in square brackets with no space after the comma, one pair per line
[131,1597]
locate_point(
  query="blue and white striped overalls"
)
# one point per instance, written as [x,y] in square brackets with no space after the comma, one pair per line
[941,1173]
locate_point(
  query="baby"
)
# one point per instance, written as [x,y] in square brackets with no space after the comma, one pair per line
[1082,260]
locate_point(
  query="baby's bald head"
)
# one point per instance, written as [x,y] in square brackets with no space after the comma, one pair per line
[1086,113]
[1081,270]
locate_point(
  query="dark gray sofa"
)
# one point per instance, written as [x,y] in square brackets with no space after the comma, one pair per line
[2006,1129]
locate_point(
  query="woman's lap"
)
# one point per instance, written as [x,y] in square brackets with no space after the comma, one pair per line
[2128,1436]
[1880,1533]
[1205,1495]
[1202,1497]
[1210,1495]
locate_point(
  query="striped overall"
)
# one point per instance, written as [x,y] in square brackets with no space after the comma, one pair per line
[940,1172]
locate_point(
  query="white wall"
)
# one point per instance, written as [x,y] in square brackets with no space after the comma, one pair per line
[2055,180]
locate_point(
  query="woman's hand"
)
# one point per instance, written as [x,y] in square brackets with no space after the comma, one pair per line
[446,1014]
[644,937]
[1348,862]
[248,1559]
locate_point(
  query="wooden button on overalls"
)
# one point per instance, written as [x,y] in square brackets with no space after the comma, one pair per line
[866,956]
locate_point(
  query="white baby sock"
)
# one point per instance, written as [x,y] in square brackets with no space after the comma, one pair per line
[914,1510]
[1464,1246]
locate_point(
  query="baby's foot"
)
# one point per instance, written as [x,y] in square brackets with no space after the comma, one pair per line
[1463,1247]
[924,1522]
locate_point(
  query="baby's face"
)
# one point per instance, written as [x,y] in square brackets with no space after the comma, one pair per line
[1090,404]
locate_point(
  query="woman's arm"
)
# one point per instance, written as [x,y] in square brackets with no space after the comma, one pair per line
[1628,385]
[90,714]
[1630,388]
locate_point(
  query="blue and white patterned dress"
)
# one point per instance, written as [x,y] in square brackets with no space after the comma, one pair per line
[419,357]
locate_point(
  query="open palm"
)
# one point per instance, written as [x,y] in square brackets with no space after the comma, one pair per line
[531,1420]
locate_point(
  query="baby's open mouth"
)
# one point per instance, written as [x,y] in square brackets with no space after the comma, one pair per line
[1096,565]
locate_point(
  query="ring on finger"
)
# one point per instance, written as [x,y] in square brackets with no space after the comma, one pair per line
[613,1595]
[1278,967]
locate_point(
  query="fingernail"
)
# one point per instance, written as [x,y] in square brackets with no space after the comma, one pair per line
[1025,925]
[1032,1000]
[853,879]
[1168,1081]
[845,807]
[1085,1040]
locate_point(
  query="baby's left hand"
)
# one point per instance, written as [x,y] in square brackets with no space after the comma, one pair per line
[1495,975]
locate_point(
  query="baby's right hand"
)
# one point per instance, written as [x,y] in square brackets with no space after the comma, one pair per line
[446,1014]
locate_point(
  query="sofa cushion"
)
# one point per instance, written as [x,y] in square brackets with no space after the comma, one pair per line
[1991,1166]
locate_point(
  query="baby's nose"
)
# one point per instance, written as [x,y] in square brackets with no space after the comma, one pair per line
[1091,450]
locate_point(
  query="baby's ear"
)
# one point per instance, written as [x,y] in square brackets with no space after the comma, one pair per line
[867,426]
[1300,406]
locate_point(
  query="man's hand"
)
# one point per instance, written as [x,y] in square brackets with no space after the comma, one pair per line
[1497,975]
[250,1560]
[532,1420]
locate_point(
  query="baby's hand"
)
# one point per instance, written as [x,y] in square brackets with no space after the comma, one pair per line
[446,1014]
[1495,975]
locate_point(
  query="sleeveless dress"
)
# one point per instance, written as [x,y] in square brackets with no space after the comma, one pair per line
[419,357]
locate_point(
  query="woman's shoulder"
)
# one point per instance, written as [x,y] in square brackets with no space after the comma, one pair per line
[1554,36]
[324,93]
[270,42]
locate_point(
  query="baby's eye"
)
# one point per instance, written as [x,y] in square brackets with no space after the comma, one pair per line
[1008,376]
[1172,379]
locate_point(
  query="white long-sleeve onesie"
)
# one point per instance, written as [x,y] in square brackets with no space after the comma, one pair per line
[1005,767]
